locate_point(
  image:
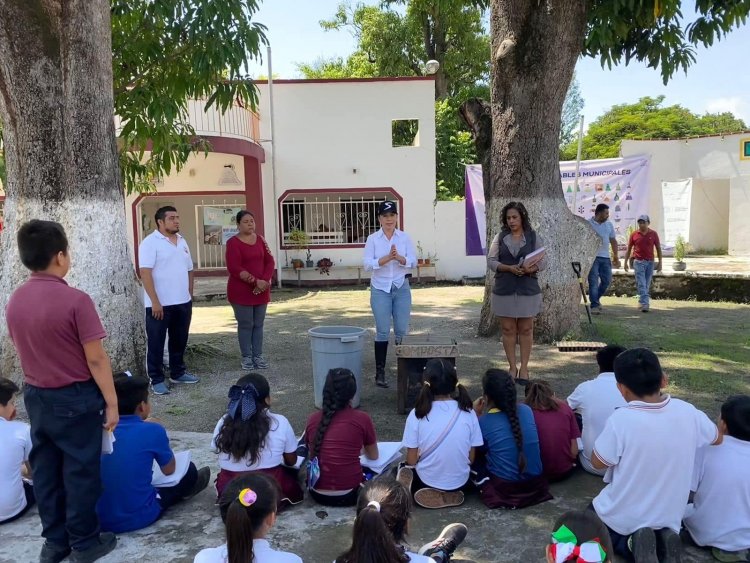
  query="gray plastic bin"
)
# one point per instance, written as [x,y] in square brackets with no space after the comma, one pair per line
[336,347]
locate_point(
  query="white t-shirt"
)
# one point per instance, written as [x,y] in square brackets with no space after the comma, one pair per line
[721,510]
[279,440]
[15,445]
[650,448]
[262,553]
[447,467]
[595,401]
[170,264]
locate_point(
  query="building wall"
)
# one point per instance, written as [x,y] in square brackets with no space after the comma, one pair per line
[739,211]
[450,229]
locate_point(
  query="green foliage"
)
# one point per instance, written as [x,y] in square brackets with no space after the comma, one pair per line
[454,147]
[656,32]
[680,248]
[571,113]
[165,53]
[404,132]
[647,119]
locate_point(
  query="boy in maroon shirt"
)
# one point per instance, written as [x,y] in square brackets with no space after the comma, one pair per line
[69,394]
[640,255]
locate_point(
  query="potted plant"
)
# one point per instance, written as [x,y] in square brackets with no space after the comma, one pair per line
[309,262]
[324,266]
[420,253]
[297,263]
[680,248]
[299,240]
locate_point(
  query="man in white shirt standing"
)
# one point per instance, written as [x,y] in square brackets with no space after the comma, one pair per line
[389,255]
[600,275]
[595,401]
[167,275]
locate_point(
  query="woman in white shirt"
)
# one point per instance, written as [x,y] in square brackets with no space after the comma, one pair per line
[389,255]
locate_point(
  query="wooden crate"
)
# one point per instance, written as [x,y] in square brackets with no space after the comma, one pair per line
[412,355]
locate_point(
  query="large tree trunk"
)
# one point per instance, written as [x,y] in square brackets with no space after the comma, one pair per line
[57,108]
[535,46]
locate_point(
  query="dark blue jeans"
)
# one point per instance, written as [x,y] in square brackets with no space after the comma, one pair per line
[169,496]
[176,322]
[66,448]
[600,276]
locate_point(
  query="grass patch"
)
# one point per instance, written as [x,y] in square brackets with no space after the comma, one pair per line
[177,410]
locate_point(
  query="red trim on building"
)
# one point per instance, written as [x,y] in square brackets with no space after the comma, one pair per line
[230,145]
[254,192]
[337,80]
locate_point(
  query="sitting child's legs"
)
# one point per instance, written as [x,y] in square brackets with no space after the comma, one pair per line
[28,491]
[193,482]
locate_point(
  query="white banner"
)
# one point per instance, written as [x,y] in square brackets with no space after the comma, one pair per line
[676,200]
[621,183]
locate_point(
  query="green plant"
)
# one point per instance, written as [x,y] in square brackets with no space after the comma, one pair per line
[420,250]
[299,239]
[680,248]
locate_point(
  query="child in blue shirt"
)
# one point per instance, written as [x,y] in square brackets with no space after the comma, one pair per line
[129,501]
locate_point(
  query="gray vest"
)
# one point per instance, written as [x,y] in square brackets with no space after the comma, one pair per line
[507,283]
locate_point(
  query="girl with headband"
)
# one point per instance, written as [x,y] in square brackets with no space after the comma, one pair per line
[579,537]
[249,437]
[383,511]
[440,435]
[248,510]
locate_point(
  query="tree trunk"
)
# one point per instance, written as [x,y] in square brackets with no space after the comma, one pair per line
[62,165]
[534,50]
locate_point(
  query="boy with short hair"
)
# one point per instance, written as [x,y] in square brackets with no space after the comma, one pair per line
[129,501]
[595,401]
[721,481]
[648,449]
[68,393]
[16,494]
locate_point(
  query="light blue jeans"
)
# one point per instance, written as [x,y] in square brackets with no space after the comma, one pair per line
[644,271]
[396,305]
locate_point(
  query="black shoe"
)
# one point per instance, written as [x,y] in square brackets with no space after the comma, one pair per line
[105,543]
[441,548]
[668,546]
[53,553]
[381,353]
[643,545]
[204,476]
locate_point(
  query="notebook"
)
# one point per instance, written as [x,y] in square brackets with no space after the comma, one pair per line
[388,453]
[182,460]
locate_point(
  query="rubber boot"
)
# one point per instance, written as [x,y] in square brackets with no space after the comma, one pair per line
[381,351]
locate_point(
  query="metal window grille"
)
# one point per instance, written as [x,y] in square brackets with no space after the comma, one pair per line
[331,218]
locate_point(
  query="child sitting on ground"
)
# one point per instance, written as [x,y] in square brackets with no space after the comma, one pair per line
[649,450]
[580,536]
[252,438]
[382,523]
[129,501]
[557,429]
[511,453]
[721,481]
[16,494]
[248,510]
[440,435]
[595,401]
[336,435]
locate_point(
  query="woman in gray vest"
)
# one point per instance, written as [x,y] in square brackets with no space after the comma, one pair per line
[516,295]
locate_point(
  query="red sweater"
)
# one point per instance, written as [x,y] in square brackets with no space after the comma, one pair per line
[257,260]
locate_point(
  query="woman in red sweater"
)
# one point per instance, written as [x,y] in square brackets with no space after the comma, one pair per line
[251,265]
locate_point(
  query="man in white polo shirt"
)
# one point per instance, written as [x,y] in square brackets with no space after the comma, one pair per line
[167,275]
[600,275]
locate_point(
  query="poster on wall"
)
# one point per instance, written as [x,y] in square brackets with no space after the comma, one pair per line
[219,224]
[676,197]
[621,183]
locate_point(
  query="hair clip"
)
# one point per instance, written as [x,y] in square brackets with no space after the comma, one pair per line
[427,383]
[375,504]
[126,372]
[247,497]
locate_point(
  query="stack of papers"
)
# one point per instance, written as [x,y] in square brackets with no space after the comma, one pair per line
[183,463]
[388,452]
[108,442]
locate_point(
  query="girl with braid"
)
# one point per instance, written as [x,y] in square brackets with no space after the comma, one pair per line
[249,437]
[511,446]
[557,429]
[440,435]
[336,435]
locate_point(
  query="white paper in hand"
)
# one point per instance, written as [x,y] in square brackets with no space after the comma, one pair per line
[182,460]
[108,442]
[388,452]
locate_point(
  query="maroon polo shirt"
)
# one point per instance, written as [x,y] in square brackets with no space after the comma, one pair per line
[49,322]
[643,245]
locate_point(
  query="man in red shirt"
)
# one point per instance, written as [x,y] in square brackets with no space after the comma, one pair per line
[69,394]
[640,255]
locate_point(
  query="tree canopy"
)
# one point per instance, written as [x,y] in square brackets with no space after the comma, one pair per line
[648,119]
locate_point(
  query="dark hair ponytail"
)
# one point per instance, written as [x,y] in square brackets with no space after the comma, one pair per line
[440,378]
[383,509]
[339,389]
[540,396]
[243,522]
[498,386]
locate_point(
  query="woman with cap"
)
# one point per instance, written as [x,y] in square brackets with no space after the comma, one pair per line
[640,256]
[389,255]
[516,295]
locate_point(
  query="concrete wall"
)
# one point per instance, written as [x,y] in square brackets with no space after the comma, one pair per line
[739,214]
[709,214]
[450,231]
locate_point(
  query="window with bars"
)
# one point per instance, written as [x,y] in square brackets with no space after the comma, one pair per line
[335,218]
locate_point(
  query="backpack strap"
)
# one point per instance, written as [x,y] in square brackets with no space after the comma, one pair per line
[426,453]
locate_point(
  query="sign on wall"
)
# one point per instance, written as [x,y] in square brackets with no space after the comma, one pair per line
[219,224]
[621,183]
[676,197]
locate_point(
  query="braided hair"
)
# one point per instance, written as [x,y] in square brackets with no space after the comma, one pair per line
[440,378]
[338,391]
[540,396]
[383,509]
[498,386]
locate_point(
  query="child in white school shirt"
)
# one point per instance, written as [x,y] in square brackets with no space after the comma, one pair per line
[721,506]
[248,509]
[648,449]
[16,495]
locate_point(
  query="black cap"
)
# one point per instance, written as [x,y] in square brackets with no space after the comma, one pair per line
[387,207]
